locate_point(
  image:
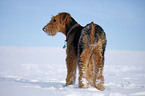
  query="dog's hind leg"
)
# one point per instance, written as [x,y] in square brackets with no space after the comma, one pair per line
[84,56]
[83,63]
[98,44]
[99,64]
[91,71]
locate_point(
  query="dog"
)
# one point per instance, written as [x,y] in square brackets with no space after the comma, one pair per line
[85,49]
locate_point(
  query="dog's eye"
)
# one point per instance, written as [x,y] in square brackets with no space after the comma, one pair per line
[54,20]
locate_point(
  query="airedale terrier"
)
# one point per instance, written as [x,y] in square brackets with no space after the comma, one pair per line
[85,48]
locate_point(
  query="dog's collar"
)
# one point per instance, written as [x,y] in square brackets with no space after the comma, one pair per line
[68,33]
[74,26]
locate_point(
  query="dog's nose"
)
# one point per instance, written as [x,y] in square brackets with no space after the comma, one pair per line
[43,29]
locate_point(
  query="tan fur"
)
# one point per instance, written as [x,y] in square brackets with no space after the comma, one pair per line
[92,34]
[91,65]
[99,78]
[59,26]
[71,61]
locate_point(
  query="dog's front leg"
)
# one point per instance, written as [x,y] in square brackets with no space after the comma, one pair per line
[71,61]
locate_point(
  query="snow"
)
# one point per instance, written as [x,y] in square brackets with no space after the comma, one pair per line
[41,71]
[84,81]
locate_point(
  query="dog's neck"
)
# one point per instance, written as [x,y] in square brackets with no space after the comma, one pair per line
[74,26]
[70,25]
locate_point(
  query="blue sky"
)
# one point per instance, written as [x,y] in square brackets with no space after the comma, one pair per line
[21,21]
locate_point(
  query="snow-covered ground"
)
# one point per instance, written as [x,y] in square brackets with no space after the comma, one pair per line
[41,71]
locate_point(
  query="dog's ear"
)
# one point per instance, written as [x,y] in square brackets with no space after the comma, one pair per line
[64,17]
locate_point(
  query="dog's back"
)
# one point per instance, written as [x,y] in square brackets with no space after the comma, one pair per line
[90,36]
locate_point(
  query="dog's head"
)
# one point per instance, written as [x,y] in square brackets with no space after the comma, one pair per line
[57,24]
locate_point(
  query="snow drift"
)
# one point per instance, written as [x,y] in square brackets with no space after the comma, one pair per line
[41,71]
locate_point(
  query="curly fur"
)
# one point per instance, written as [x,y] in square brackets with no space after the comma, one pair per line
[85,49]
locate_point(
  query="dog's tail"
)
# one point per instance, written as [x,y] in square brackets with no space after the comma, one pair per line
[92,35]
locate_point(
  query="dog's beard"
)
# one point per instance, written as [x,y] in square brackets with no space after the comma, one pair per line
[51,33]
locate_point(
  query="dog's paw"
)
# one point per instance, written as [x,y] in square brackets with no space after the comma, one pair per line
[70,82]
[99,86]
[83,83]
